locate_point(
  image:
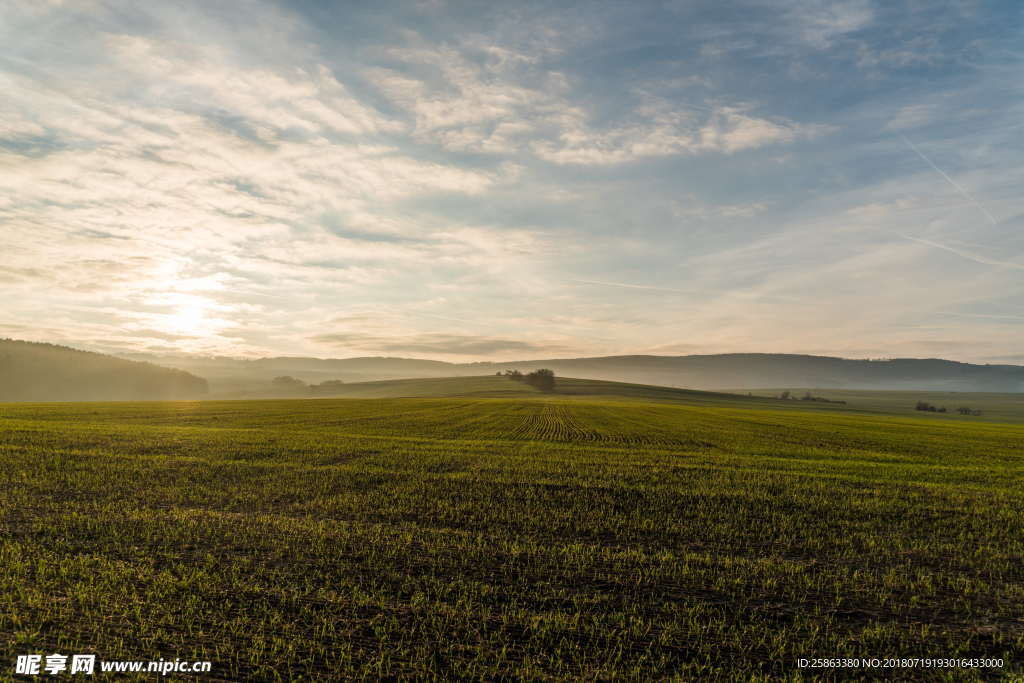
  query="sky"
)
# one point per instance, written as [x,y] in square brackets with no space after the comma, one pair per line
[496,181]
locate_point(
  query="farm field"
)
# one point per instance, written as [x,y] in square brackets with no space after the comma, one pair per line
[603,532]
[994,407]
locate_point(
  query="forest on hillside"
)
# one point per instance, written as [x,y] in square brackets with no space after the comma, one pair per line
[31,371]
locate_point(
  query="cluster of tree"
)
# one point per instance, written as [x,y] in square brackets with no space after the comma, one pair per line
[542,379]
[286,384]
[786,395]
[964,410]
[926,406]
[331,386]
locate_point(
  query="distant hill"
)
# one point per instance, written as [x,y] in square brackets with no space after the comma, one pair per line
[990,407]
[491,386]
[234,375]
[720,371]
[45,372]
[765,370]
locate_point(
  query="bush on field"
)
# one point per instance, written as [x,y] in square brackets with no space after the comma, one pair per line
[289,384]
[542,379]
[331,386]
[820,399]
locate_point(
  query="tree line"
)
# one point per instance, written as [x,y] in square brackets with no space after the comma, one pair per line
[286,384]
[928,407]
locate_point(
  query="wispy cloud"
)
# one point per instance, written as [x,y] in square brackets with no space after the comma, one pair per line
[626,285]
[436,344]
[490,181]
[964,253]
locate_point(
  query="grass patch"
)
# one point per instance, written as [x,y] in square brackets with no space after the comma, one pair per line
[533,536]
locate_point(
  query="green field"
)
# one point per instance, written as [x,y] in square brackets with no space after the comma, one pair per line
[604,532]
[993,407]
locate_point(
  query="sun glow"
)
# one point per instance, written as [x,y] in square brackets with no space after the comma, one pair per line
[187,315]
[188,320]
[184,307]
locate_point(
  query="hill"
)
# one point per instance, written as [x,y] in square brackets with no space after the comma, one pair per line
[997,407]
[237,375]
[492,386]
[720,371]
[766,370]
[32,371]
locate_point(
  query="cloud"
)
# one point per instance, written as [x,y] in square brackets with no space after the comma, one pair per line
[912,116]
[627,285]
[820,22]
[691,207]
[489,108]
[726,131]
[436,343]
[491,177]
[309,100]
[190,165]
[967,254]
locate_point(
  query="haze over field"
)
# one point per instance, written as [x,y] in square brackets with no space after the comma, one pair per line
[45,372]
[499,181]
[721,371]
